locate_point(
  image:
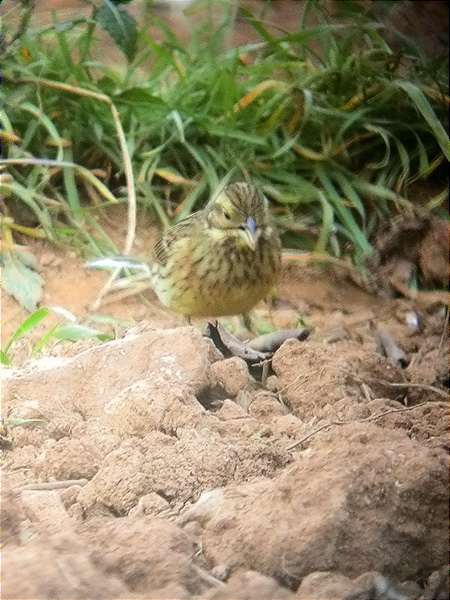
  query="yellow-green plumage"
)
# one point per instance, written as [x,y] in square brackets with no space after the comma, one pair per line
[221,260]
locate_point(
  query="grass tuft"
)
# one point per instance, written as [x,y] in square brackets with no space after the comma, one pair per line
[332,123]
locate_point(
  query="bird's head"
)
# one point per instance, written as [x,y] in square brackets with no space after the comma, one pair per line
[240,210]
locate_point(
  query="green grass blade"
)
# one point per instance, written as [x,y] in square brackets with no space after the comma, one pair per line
[350,192]
[28,197]
[75,332]
[381,192]
[48,124]
[70,185]
[344,213]
[191,200]
[427,112]
[26,327]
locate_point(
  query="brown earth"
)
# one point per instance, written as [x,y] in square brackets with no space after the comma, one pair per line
[160,470]
[179,474]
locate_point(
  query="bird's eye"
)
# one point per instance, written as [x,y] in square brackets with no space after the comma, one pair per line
[227,216]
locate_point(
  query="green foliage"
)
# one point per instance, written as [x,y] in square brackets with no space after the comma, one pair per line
[120,25]
[24,328]
[67,329]
[332,123]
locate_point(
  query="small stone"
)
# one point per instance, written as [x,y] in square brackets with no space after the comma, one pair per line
[206,506]
[230,410]
[414,321]
[288,425]
[231,375]
[272,383]
[266,405]
[221,572]
[410,589]
[150,504]
[324,586]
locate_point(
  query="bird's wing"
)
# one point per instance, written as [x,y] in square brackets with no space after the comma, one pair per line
[182,229]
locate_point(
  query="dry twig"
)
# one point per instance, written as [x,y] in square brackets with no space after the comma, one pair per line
[138,288]
[365,420]
[207,577]
[405,384]
[52,485]
[420,386]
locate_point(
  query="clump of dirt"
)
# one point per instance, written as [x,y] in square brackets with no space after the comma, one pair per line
[412,245]
[68,458]
[56,567]
[177,468]
[154,553]
[334,586]
[312,380]
[371,499]
[158,469]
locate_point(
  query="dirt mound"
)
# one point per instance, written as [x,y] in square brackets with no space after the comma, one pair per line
[376,494]
[86,382]
[313,380]
[154,553]
[158,469]
[178,469]
[58,567]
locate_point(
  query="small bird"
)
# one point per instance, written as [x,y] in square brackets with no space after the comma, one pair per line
[221,260]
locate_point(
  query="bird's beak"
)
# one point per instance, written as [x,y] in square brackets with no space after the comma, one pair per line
[250,233]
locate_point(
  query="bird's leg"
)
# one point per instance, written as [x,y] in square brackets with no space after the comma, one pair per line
[247,322]
[271,301]
[188,319]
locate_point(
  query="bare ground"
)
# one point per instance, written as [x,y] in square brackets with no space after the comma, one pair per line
[162,470]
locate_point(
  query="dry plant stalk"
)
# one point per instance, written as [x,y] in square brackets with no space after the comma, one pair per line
[366,420]
[128,168]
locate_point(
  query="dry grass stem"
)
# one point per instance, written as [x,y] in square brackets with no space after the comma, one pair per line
[365,420]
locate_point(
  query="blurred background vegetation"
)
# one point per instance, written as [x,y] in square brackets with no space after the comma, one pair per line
[341,120]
